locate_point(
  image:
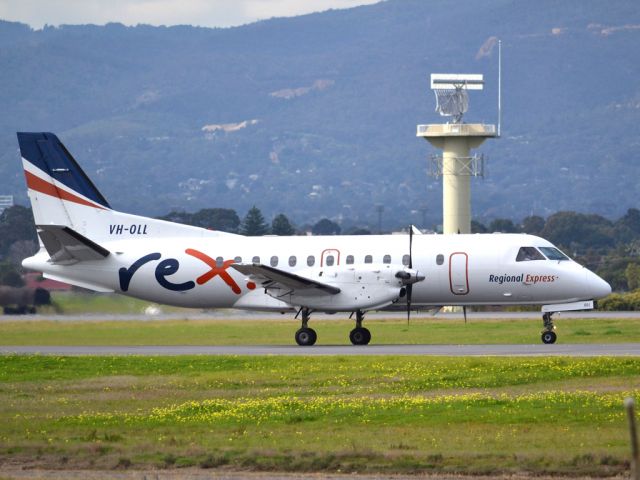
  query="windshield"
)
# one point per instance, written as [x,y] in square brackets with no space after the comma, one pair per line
[526,254]
[553,253]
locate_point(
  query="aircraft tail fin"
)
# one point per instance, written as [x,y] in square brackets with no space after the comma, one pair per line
[59,190]
[62,195]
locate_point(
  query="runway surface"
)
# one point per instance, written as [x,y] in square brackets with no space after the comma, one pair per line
[538,350]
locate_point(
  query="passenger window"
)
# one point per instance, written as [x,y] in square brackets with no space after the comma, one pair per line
[330,260]
[439,259]
[311,260]
[219,262]
[292,261]
[386,259]
[255,259]
[349,259]
[274,261]
[237,260]
[368,259]
[526,254]
[405,260]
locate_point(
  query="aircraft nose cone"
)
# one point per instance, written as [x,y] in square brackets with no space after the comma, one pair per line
[597,287]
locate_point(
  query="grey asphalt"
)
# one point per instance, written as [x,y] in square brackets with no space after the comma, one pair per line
[536,350]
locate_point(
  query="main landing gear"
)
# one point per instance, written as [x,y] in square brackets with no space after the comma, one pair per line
[360,335]
[548,334]
[306,336]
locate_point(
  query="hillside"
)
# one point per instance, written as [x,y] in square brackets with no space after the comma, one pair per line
[316,115]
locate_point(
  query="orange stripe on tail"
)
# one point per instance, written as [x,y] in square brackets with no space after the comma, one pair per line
[42,186]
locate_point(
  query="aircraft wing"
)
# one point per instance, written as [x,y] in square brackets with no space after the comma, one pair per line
[65,245]
[271,278]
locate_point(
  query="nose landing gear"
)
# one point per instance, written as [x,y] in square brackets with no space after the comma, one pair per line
[548,333]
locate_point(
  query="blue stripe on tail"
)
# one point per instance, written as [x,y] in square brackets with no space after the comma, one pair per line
[46,152]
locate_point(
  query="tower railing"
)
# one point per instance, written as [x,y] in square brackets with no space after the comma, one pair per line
[473,166]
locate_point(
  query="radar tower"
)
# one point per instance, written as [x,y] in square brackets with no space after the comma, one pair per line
[456,165]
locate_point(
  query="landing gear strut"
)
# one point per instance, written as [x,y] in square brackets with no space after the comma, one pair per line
[360,335]
[548,333]
[305,336]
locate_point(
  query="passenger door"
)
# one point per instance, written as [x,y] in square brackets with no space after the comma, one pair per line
[459,273]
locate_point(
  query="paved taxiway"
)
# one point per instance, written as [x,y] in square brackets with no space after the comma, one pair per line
[537,350]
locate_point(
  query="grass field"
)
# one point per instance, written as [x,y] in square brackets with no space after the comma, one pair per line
[365,414]
[422,330]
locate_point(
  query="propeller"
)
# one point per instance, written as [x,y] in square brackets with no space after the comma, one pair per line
[409,276]
[410,286]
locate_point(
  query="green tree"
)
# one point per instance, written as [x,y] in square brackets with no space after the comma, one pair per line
[9,275]
[178,217]
[359,231]
[223,219]
[503,225]
[253,224]
[627,227]
[326,227]
[281,226]
[532,225]
[579,231]
[632,274]
[477,227]
[16,223]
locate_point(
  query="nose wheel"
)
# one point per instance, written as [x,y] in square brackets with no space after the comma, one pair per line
[360,335]
[548,333]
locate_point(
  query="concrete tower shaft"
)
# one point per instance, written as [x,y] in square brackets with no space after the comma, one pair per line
[457,167]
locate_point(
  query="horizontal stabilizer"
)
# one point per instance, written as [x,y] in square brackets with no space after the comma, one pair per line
[65,245]
[274,278]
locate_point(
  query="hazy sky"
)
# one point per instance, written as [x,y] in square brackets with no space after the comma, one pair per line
[206,13]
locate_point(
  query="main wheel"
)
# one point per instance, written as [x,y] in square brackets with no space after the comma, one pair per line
[549,337]
[360,336]
[306,337]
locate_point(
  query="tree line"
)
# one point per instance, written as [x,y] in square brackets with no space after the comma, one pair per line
[611,248]
[252,225]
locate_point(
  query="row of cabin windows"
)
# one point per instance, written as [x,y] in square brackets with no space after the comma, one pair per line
[329,260]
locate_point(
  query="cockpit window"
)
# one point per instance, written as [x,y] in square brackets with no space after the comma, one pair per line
[526,254]
[553,253]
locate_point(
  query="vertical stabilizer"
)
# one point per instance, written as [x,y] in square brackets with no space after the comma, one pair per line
[62,195]
[59,191]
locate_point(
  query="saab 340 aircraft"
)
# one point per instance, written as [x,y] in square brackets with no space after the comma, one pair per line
[84,242]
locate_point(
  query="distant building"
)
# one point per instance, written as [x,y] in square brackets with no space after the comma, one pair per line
[35,280]
[6,201]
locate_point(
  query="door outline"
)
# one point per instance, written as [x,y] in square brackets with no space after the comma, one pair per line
[330,251]
[466,273]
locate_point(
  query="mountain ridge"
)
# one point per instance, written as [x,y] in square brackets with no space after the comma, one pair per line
[131,103]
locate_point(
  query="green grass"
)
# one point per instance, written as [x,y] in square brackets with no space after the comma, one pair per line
[365,414]
[74,303]
[423,330]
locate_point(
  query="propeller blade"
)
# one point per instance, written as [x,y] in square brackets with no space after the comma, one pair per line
[464,312]
[410,286]
[409,292]
[410,246]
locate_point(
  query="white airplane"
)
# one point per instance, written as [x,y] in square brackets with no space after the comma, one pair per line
[84,242]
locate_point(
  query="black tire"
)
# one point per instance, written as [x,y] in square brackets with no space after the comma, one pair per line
[360,336]
[549,337]
[368,335]
[305,337]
